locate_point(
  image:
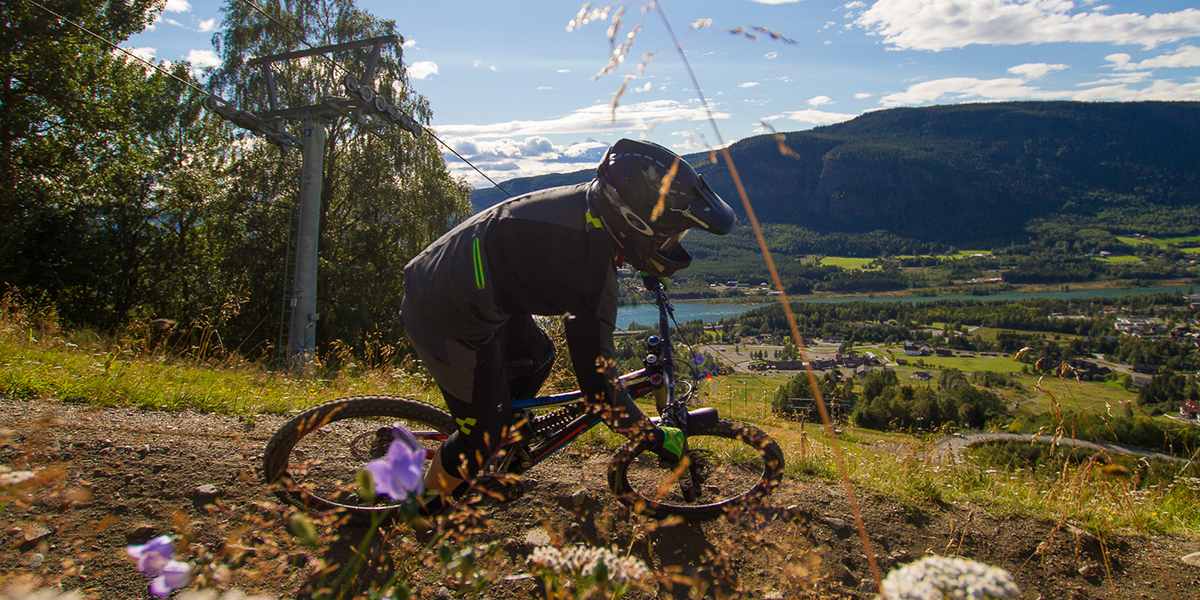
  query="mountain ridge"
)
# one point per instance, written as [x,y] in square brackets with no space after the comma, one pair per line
[956,172]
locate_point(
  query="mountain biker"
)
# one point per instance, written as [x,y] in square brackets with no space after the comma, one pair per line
[470,296]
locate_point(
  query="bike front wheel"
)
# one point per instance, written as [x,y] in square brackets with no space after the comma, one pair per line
[728,464]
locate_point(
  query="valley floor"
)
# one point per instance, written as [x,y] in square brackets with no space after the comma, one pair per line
[131,474]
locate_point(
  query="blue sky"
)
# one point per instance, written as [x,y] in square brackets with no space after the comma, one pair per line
[517,92]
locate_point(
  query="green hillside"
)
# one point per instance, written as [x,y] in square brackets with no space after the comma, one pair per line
[971,172]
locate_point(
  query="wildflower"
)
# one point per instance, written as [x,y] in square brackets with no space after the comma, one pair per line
[155,560]
[399,474]
[25,592]
[583,561]
[15,477]
[215,595]
[942,578]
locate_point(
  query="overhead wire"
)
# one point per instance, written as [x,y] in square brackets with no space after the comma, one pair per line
[207,93]
[839,457]
[299,35]
[114,46]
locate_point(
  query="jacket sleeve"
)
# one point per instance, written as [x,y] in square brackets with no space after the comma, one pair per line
[590,341]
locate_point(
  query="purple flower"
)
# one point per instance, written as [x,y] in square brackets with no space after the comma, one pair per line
[154,560]
[400,473]
[698,359]
[174,575]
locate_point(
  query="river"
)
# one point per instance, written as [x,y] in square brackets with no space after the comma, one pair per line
[711,312]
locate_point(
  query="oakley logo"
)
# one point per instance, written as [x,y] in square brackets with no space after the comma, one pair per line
[636,222]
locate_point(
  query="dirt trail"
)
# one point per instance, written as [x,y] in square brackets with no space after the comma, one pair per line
[951,448]
[143,469]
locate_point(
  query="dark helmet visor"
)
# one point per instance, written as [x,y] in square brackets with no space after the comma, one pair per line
[710,211]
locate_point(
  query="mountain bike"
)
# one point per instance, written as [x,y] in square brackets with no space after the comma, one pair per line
[316,455]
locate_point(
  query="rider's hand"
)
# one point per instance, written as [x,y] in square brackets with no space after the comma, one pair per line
[668,444]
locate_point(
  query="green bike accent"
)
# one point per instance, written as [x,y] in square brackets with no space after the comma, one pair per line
[478,256]
[673,440]
[465,425]
[593,220]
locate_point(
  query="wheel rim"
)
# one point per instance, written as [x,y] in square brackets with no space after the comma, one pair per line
[322,466]
[729,469]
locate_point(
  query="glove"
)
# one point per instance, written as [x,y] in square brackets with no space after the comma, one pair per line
[672,441]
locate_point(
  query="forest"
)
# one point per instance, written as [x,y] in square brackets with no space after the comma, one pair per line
[124,200]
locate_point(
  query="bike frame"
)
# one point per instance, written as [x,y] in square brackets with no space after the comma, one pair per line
[637,384]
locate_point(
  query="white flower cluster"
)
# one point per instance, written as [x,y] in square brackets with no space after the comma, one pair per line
[942,578]
[28,593]
[582,560]
[1192,483]
[11,477]
[215,595]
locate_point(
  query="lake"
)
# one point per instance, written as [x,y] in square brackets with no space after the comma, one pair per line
[711,312]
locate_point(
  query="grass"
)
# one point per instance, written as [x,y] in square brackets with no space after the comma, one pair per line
[1121,259]
[991,334]
[885,463]
[1082,396]
[110,377]
[895,465]
[1161,242]
[849,263]
[853,263]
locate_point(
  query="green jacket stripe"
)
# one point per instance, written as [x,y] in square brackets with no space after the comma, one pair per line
[478,255]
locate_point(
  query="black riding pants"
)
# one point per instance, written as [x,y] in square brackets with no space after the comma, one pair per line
[513,364]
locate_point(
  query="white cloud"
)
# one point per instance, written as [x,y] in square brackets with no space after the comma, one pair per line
[645,87]
[813,117]
[492,68]
[562,70]
[862,95]
[962,88]
[145,53]
[702,23]
[1133,77]
[508,157]
[1185,57]
[965,89]
[638,117]
[207,25]
[854,5]
[1118,60]
[773,2]
[1160,89]
[819,100]
[536,146]
[941,24]
[422,69]
[409,44]
[203,59]
[748,84]
[544,88]
[772,55]
[178,6]
[1036,70]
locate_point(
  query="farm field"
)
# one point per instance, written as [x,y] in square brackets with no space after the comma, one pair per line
[852,263]
[1121,259]
[1161,242]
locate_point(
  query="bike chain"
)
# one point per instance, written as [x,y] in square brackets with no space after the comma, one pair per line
[555,420]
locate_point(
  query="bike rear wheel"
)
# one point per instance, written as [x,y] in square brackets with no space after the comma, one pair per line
[729,463]
[314,458]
